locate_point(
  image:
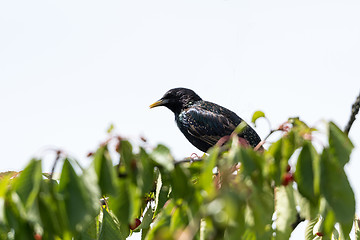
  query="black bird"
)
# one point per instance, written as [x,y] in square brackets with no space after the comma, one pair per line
[203,123]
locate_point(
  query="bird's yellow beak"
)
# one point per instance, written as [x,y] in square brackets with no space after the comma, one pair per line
[156,104]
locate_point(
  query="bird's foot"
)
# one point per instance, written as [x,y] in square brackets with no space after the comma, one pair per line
[194,156]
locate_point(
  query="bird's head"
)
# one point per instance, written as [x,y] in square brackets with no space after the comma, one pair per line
[177,99]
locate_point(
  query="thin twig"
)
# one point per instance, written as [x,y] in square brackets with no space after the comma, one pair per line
[354,112]
[258,147]
[188,160]
[58,153]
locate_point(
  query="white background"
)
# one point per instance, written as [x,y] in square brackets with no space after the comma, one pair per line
[68,69]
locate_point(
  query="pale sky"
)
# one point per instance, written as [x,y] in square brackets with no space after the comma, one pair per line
[68,69]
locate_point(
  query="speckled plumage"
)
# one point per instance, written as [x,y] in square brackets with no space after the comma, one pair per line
[203,123]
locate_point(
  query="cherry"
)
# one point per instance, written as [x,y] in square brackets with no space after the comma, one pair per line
[135,224]
[37,236]
[288,177]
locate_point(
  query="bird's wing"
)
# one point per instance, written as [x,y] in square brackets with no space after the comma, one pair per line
[209,126]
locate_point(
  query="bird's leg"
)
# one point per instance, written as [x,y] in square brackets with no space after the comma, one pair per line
[193,158]
[260,147]
[243,142]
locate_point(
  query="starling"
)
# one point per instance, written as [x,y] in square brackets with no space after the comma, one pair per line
[203,123]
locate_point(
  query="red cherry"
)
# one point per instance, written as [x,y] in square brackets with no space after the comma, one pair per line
[89,154]
[288,177]
[37,236]
[320,234]
[135,224]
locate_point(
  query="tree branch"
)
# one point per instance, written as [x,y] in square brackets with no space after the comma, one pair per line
[354,112]
[58,154]
[188,160]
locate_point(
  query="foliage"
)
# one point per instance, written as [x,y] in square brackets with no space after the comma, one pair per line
[232,192]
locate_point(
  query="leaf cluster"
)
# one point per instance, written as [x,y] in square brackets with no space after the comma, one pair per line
[232,192]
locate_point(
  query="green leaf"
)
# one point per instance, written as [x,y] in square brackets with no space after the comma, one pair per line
[16,217]
[256,116]
[309,230]
[234,213]
[110,128]
[135,201]
[337,191]
[249,235]
[92,188]
[285,208]
[160,228]
[126,203]
[319,227]
[259,209]
[241,127]
[181,188]
[307,209]
[206,175]
[146,175]
[157,191]
[248,163]
[339,144]
[126,154]
[329,223]
[162,156]
[147,218]
[110,228]
[8,174]
[179,218]
[305,174]
[27,185]
[104,170]
[4,184]
[234,206]
[144,233]
[78,203]
[281,152]
[251,164]
[51,210]
[120,203]
[275,150]
[51,217]
[161,194]
[90,232]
